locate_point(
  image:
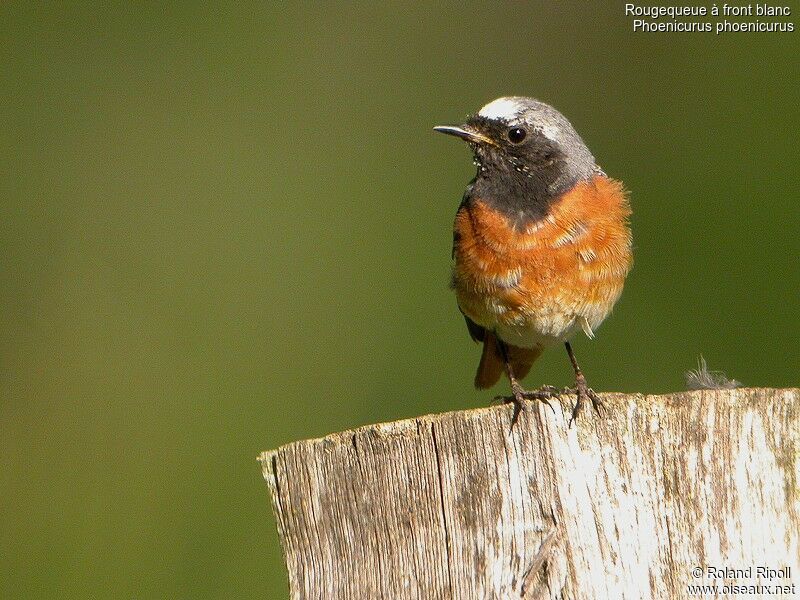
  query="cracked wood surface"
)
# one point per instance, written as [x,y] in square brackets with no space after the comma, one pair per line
[457,506]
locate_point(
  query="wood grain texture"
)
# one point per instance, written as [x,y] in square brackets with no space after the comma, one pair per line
[458,506]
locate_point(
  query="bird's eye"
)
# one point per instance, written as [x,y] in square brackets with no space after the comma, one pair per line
[516,135]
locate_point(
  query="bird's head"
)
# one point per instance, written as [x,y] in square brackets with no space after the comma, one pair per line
[526,146]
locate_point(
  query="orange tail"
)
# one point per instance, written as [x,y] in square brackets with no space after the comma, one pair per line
[492,365]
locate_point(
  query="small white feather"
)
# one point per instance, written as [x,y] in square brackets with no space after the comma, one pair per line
[703,379]
[587,329]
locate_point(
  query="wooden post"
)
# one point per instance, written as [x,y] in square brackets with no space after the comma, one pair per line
[660,494]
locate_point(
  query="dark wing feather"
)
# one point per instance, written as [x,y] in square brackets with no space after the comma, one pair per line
[476,332]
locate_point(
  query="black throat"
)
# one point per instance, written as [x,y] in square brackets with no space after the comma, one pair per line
[522,196]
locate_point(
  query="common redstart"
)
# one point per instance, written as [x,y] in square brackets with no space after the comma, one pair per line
[541,242]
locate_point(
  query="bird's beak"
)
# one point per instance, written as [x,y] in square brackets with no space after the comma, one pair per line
[465,133]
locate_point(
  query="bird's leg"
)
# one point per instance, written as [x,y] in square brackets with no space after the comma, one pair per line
[516,389]
[520,394]
[583,391]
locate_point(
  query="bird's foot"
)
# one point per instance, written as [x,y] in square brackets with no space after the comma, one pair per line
[584,393]
[542,394]
[520,395]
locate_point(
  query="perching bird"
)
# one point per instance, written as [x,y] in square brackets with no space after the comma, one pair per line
[541,243]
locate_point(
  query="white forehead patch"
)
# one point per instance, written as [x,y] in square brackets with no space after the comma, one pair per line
[502,108]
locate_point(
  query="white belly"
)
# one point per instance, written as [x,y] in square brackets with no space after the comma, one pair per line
[543,330]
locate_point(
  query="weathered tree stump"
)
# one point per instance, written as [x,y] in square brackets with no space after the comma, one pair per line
[641,503]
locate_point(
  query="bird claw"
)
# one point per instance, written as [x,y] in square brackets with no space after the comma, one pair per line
[542,394]
[545,393]
[584,393]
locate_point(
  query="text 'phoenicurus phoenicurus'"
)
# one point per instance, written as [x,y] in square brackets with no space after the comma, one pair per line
[541,243]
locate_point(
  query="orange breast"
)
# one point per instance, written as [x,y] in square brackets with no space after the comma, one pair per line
[564,271]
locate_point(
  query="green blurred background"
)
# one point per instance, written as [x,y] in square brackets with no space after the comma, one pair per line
[226,227]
